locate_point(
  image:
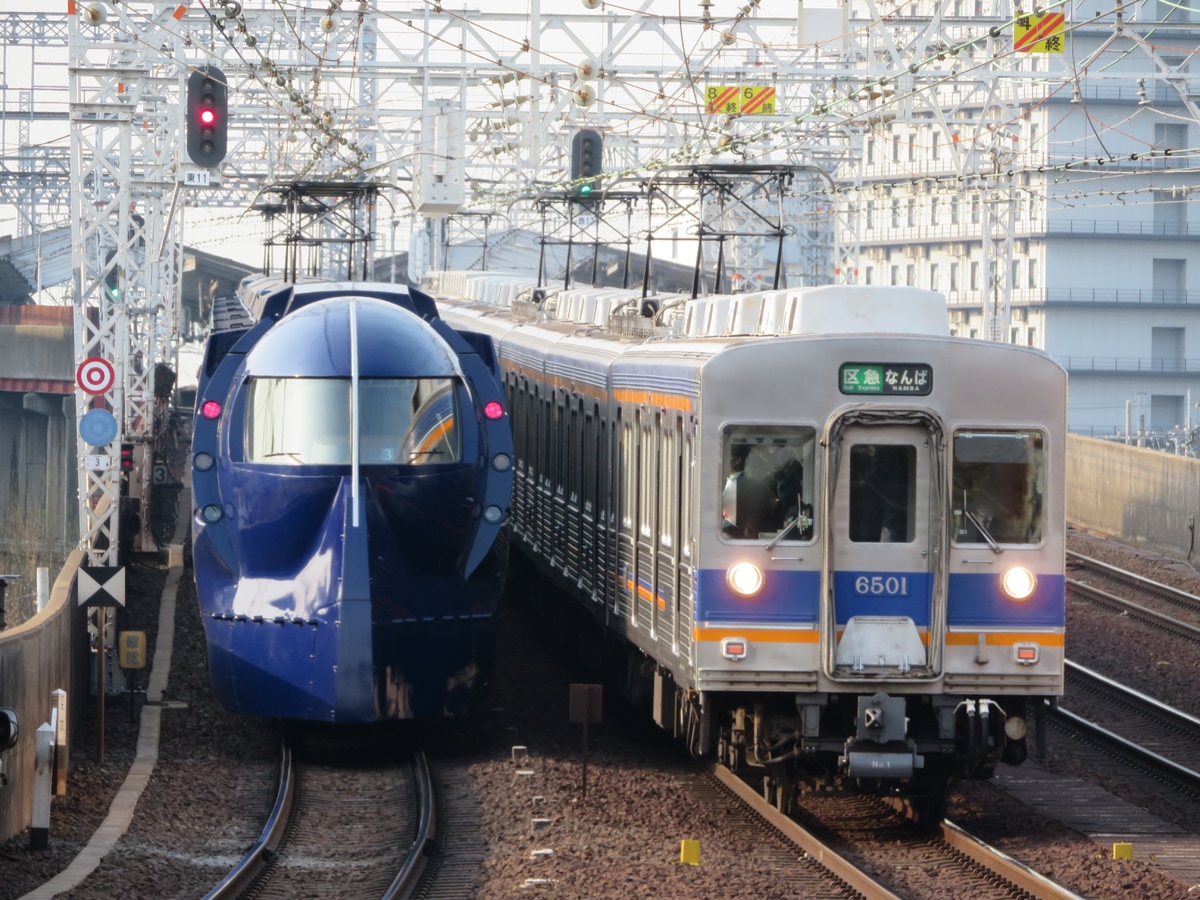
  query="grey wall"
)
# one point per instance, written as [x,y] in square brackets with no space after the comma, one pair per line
[1140,496]
[42,655]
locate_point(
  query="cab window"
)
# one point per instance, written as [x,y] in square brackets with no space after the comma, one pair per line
[307,421]
[767,483]
[998,485]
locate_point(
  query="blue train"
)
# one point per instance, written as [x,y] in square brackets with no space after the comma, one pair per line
[351,474]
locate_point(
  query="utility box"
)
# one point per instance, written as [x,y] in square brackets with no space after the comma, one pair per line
[131,646]
[439,173]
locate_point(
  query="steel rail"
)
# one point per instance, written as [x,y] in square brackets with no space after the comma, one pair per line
[1134,609]
[836,864]
[255,860]
[410,873]
[1005,866]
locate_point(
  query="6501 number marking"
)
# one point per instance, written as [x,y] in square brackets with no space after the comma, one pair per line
[881,585]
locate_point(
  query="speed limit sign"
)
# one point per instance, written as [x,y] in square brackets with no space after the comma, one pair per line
[95,375]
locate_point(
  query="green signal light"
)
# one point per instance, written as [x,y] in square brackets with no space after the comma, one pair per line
[585,189]
[115,292]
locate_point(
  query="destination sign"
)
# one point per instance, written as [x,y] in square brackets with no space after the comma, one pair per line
[886,378]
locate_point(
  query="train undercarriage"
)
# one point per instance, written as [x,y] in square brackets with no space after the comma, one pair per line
[911,747]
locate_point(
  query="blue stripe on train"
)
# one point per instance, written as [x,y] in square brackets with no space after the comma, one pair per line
[882,594]
[976,600]
[786,598]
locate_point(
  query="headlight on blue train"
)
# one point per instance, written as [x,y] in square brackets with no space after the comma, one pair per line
[1018,582]
[745,578]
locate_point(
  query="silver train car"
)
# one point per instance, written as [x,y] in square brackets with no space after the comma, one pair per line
[827,536]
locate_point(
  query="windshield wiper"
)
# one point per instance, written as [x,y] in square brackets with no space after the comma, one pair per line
[291,454]
[800,519]
[974,520]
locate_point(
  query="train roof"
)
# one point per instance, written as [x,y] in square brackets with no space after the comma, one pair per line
[269,296]
[315,342]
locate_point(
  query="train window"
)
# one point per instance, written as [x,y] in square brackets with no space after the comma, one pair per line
[998,484]
[306,421]
[767,482]
[883,484]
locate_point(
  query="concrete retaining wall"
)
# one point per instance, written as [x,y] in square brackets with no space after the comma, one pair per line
[1139,496]
[42,655]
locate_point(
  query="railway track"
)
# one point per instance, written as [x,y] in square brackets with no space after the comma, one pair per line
[861,845]
[1155,604]
[340,831]
[1134,729]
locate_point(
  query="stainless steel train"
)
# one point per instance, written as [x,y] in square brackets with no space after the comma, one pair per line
[826,535]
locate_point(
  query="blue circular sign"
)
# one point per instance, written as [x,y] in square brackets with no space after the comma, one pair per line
[98,427]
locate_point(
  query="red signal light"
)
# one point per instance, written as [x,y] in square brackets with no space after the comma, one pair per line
[208,116]
[211,409]
[493,410]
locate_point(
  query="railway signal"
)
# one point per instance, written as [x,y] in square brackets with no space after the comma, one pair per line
[207,116]
[112,276]
[587,152]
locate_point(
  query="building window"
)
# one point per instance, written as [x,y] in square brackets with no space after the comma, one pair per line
[895,275]
[953,277]
[935,147]
[910,275]
[974,276]
[933,210]
[869,274]
[912,148]
[1032,272]
[933,276]
[1015,335]
[870,215]
[871,152]
[912,211]
[954,210]
[1015,281]
[895,212]
[1032,334]
[896,148]
[974,209]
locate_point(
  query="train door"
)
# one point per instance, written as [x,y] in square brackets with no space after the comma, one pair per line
[646,587]
[883,540]
[574,477]
[589,506]
[627,490]
[668,574]
[683,584]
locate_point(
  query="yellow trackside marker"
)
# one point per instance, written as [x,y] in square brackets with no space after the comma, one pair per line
[721,98]
[1122,850]
[689,852]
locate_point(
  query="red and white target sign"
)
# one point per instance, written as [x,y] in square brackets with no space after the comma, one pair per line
[95,375]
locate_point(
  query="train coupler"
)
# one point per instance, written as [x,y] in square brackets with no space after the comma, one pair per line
[880,747]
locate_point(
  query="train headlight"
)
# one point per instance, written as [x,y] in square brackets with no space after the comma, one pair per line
[212,514]
[202,461]
[501,462]
[745,578]
[492,514]
[1018,582]
[1014,728]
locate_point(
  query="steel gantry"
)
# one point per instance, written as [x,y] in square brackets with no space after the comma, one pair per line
[902,111]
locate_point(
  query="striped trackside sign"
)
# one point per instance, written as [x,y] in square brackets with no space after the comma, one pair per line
[1040,33]
[758,100]
[721,98]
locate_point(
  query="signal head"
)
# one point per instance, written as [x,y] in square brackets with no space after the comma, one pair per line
[207,116]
